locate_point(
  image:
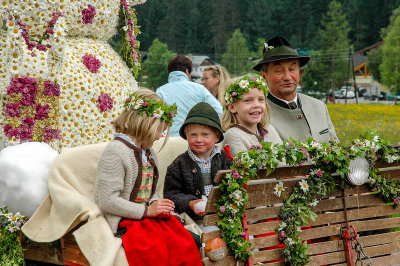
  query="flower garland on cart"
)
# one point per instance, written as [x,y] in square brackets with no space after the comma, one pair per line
[328,158]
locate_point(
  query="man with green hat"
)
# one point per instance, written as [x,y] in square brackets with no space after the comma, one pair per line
[190,176]
[292,114]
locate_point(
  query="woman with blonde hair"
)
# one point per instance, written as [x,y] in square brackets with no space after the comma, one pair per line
[214,78]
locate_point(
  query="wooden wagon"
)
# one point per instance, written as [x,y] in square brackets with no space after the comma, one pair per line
[373,220]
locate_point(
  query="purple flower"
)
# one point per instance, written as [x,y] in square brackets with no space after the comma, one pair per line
[396,202]
[171,114]
[235,174]
[51,89]
[92,63]
[12,110]
[105,102]
[41,47]
[144,104]
[244,235]
[222,209]
[319,173]
[282,235]
[50,134]
[88,14]
[42,112]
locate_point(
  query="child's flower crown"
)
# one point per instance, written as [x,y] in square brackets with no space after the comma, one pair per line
[235,90]
[151,107]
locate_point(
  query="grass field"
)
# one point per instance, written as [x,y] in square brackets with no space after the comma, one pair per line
[351,120]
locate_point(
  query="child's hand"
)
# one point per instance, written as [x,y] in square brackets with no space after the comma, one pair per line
[192,206]
[161,207]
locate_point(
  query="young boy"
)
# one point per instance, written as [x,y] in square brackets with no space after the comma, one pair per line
[192,173]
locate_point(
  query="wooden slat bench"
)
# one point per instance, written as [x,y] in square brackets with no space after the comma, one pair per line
[369,215]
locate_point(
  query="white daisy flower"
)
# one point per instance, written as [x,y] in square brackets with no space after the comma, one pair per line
[125,28]
[282,226]
[376,138]
[243,84]
[289,241]
[279,188]
[313,203]
[158,112]
[138,104]
[303,185]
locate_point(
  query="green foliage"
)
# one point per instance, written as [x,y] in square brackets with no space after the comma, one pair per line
[11,252]
[390,67]
[335,44]
[155,66]
[237,57]
[374,60]
[329,158]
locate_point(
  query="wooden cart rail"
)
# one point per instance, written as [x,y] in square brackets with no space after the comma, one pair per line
[369,215]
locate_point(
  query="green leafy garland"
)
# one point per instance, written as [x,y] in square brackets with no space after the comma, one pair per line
[11,252]
[130,45]
[328,158]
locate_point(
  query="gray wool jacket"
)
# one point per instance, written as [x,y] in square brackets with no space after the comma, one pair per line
[311,118]
[119,178]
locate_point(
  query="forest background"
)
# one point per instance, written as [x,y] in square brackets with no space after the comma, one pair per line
[232,33]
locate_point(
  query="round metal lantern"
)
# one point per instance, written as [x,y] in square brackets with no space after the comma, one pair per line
[359,171]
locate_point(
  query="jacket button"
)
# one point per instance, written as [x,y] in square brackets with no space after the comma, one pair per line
[194,171]
[197,192]
[299,116]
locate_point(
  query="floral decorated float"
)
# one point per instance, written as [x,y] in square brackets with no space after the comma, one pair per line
[59,78]
[61,84]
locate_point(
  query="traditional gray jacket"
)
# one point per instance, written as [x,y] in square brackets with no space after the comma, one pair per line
[310,118]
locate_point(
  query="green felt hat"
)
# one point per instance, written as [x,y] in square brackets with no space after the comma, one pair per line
[204,114]
[277,49]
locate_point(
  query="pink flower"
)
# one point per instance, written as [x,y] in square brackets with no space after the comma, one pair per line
[42,112]
[144,104]
[12,110]
[326,162]
[253,78]
[51,89]
[222,209]
[235,174]
[88,14]
[91,62]
[50,134]
[105,102]
[171,114]
[282,236]
[234,94]
[319,173]
[396,202]
[244,235]
[259,146]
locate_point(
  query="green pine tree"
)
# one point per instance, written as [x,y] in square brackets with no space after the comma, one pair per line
[390,67]
[155,66]
[237,58]
[335,44]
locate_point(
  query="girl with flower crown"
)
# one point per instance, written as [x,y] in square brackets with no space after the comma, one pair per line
[126,185]
[246,115]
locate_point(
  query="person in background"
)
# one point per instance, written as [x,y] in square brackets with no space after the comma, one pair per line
[183,92]
[126,185]
[214,79]
[294,115]
[246,115]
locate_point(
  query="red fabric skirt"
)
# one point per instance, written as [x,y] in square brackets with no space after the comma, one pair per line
[159,242]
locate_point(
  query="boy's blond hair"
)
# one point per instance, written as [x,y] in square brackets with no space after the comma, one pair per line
[140,127]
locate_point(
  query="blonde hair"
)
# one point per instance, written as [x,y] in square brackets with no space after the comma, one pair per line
[141,127]
[229,119]
[222,73]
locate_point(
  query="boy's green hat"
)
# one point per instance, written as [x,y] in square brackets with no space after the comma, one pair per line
[204,114]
